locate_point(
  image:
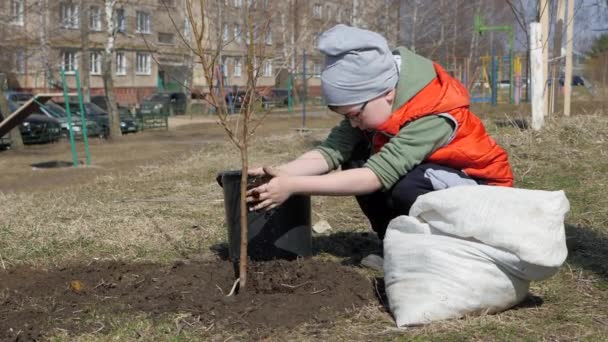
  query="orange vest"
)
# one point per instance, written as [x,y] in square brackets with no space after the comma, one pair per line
[471,150]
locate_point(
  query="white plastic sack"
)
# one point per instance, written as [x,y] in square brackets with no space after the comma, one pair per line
[471,249]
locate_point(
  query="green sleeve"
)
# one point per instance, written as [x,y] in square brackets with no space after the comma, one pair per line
[340,143]
[409,148]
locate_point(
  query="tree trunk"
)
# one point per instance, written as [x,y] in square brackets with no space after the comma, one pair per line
[44,44]
[108,81]
[108,84]
[244,227]
[85,57]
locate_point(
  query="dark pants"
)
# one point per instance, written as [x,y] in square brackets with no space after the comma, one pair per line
[382,206]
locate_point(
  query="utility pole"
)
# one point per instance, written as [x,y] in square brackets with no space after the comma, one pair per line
[544,36]
[568,74]
[536,62]
[557,51]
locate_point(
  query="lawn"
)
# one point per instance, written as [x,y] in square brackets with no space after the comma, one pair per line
[151,207]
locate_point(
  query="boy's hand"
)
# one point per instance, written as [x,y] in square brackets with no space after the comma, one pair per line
[257,171]
[266,171]
[272,194]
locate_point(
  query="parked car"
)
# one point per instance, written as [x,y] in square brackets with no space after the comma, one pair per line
[275,97]
[18,97]
[576,80]
[164,103]
[5,142]
[56,111]
[100,116]
[235,99]
[36,128]
[40,129]
[100,101]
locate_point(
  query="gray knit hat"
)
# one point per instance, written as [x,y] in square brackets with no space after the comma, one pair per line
[359,65]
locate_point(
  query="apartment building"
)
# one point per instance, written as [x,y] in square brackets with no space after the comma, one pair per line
[39,37]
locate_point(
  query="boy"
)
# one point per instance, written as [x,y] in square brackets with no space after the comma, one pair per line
[407,130]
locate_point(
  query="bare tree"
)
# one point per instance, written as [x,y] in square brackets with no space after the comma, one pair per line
[207,48]
[84,55]
[108,56]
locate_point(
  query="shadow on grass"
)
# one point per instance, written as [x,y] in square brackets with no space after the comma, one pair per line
[588,249]
[351,246]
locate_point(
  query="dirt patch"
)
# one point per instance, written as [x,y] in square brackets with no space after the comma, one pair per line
[34,303]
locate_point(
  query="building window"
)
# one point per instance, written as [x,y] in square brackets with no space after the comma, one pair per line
[17,12]
[95,63]
[225,33]
[69,61]
[238,3]
[269,37]
[166,38]
[121,20]
[317,11]
[225,66]
[187,28]
[238,67]
[143,22]
[267,72]
[95,18]
[237,33]
[20,62]
[143,63]
[121,63]
[316,70]
[70,18]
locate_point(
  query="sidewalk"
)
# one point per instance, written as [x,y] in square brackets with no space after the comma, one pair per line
[183,120]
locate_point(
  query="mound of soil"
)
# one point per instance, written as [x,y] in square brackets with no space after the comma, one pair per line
[34,302]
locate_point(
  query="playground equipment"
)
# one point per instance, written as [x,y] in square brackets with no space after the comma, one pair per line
[304,95]
[481,27]
[488,80]
[33,105]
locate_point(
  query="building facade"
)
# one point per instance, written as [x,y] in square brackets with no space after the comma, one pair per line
[41,37]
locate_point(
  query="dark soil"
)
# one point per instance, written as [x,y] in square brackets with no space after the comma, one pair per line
[280,294]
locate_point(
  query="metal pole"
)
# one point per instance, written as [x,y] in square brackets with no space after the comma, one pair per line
[511,93]
[305,96]
[66,98]
[536,69]
[85,135]
[568,71]
[494,79]
[289,92]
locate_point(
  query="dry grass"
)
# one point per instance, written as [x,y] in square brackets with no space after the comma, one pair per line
[167,206]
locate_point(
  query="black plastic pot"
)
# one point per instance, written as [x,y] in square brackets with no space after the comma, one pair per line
[282,233]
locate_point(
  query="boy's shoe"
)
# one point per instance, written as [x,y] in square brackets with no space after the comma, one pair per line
[374,262]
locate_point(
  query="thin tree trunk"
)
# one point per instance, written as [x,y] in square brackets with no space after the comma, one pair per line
[85,58]
[108,81]
[243,214]
[44,44]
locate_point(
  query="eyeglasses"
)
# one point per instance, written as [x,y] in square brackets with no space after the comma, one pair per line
[354,116]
